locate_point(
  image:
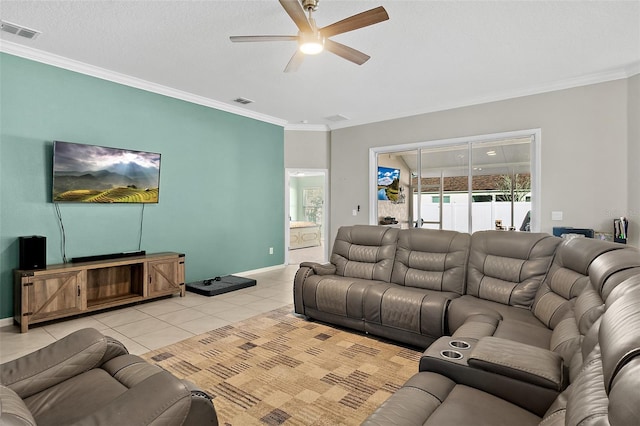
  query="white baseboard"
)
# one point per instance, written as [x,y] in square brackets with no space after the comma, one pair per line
[261,270]
[4,322]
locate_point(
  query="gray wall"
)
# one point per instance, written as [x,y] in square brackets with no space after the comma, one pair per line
[632,158]
[306,149]
[584,143]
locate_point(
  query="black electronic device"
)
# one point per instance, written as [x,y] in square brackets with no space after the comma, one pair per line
[33,252]
[108,256]
[220,285]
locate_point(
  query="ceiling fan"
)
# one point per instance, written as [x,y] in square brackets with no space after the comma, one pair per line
[313,40]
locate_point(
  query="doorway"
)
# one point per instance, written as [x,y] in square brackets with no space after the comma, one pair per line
[306,216]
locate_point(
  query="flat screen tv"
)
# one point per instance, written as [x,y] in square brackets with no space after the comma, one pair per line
[97,174]
[388,183]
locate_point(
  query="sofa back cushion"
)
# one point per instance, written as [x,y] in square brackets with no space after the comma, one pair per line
[604,386]
[432,259]
[508,267]
[619,340]
[365,251]
[568,277]
[613,267]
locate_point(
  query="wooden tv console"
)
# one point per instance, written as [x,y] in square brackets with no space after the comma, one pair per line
[69,289]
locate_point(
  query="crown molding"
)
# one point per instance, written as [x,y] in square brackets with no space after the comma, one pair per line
[633,69]
[626,71]
[307,127]
[105,74]
[22,51]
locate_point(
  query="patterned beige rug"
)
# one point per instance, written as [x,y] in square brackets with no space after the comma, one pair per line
[276,368]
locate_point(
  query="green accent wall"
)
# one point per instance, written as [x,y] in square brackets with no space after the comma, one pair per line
[221,178]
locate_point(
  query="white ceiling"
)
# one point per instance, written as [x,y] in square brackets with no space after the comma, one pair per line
[430,55]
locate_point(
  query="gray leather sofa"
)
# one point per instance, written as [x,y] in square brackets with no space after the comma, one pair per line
[416,285]
[87,378]
[519,328]
[488,386]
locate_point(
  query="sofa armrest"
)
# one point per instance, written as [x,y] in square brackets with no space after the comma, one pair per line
[13,411]
[320,269]
[540,367]
[72,355]
[306,270]
[450,356]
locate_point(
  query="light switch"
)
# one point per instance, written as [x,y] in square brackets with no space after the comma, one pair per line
[556,215]
[354,212]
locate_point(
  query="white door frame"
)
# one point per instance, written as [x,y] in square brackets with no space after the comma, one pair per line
[325,210]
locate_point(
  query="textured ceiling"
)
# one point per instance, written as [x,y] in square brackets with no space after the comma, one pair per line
[430,55]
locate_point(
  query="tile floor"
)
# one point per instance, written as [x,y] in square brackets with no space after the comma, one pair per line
[155,324]
[309,254]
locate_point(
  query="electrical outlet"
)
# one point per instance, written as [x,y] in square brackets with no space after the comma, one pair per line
[556,215]
[354,212]
[270,250]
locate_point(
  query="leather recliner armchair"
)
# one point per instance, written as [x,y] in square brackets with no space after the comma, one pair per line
[87,378]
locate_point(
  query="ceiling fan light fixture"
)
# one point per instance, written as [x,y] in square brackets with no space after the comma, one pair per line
[311,43]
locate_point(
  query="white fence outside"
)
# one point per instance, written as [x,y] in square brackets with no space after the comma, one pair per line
[483,214]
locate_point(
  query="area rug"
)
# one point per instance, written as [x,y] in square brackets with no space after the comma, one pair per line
[277,368]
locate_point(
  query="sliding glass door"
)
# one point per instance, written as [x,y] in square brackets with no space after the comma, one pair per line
[467,186]
[443,181]
[501,184]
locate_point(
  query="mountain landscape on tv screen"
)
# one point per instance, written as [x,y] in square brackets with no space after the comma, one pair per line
[87,173]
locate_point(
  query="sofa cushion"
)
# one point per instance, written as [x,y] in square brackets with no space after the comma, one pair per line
[467,306]
[524,332]
[434,400]
[74,398]
[508,267]
[365,251]
[474,318]
[432,259]
[72,355]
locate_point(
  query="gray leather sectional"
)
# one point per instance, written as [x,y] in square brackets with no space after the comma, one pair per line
[87,378]
[518,328]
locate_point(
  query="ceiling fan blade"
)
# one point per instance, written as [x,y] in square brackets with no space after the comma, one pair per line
[295,11]
[294,62]
[346,52]
[237,39]
[354,22]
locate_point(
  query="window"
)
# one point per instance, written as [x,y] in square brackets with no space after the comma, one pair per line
[471,184]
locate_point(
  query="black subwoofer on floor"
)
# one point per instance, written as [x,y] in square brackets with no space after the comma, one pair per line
[33,252]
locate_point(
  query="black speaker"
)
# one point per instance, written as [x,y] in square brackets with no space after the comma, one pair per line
[33,252]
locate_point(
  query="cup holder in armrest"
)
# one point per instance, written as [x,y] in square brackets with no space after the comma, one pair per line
[459,344]
[451,354]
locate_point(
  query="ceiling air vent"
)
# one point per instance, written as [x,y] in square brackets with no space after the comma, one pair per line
[337,117]
[18,30]
[243,101]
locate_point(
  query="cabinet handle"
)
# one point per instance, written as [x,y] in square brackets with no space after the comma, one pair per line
[78,291]
[149,279]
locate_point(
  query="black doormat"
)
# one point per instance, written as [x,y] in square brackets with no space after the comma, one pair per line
[220,285]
